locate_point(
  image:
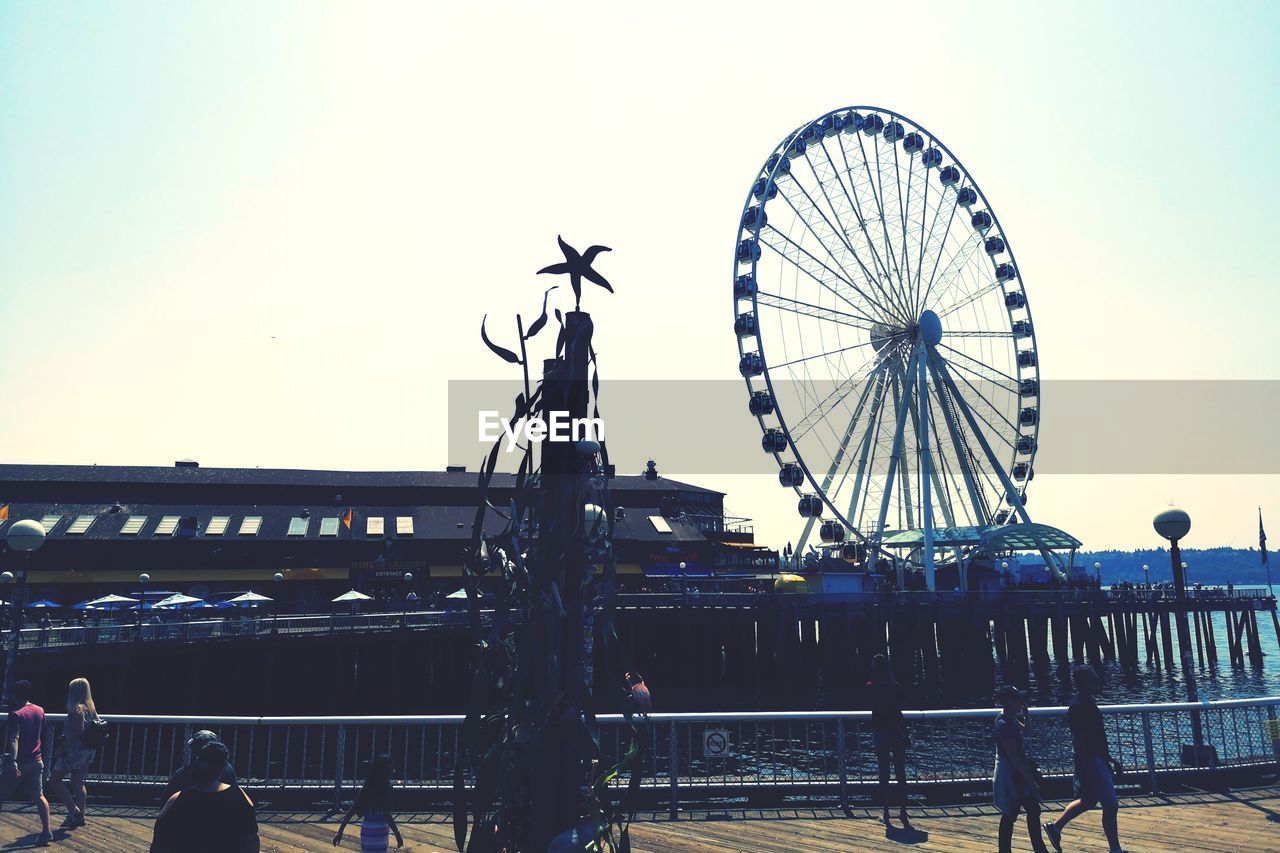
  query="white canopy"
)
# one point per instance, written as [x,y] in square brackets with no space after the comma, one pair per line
[112,600]
[352,597]
[249,598]
[177,599]
[462,593]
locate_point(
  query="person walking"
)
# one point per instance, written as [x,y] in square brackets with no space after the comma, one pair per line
[373,805]
[1094,783]
[76,752]
[23,762]
[888,735]
[1017,786]
[208,815]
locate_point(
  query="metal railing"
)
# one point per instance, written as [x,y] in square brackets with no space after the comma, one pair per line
[221,628]
[731,754]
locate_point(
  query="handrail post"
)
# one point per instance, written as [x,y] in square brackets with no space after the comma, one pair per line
[674,771]
[1151,753]
[1274,731]
[840,763]
[337,769]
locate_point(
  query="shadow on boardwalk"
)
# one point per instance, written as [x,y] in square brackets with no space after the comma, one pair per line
[1243,821]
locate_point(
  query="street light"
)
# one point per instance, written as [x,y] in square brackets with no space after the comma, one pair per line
[278,578]
[1173,524]
[1097,570]
[24,537]
[1146,575]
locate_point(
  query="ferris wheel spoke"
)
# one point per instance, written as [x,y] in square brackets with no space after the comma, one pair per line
[837,229]
[862,219]
[806,309]
[902,397]
[869,439]
[837,461]
[956,265]
[970,299]
[924,240]
[800,250]
[963,453]
[890,250]
[903,207]
[1013,381]
[895,454]
[942,244]
[977,334]
[930,458]
[862,224]
[995,410]
[877,192]
[871,303]
[827,405]
[821,355]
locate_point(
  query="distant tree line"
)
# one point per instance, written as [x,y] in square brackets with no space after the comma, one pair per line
[1240,566]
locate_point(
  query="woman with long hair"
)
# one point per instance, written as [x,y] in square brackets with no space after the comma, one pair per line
[373,805]
[888,734]
[1016,783]
[74,756]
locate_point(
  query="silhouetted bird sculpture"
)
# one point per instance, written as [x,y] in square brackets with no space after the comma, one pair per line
[577,267]
[641,701]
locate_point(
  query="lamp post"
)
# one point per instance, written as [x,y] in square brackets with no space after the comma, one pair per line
[1173,524]
[23,537]
[1146,575]
[1004,573]
[278,580]
[409,597]
[1184,571]
[1097,571]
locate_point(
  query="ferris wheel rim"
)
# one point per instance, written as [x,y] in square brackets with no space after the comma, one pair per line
[770,172]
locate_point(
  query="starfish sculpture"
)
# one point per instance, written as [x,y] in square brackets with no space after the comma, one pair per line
[577,267]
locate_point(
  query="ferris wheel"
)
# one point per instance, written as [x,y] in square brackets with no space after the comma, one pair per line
[884,334]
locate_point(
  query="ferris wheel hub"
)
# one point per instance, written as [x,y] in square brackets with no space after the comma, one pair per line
[930,328]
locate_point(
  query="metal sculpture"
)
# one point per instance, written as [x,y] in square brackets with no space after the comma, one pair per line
[530,753]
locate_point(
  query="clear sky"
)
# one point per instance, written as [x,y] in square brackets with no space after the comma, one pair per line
[265,233]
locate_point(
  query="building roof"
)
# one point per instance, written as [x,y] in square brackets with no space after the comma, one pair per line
[284,477]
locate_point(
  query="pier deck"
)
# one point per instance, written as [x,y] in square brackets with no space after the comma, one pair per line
[1237,821]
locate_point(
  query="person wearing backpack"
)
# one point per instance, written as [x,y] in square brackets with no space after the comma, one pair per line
[83,734]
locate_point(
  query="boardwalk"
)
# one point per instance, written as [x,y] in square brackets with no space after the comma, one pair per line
[1241,821]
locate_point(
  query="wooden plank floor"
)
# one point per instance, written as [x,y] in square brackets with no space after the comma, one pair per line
[1241,821]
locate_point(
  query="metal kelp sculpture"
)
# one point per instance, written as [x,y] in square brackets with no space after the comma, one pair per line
[531,774]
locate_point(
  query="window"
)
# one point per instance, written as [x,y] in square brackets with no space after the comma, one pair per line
[328,527]
[49,522]
[217,525]
[250,525]
[404,525]
[659,524]
[133,525]
[298,526]
[373,526]
[167,525]
[81,524]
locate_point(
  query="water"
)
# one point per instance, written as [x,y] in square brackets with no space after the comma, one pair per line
[1149,684]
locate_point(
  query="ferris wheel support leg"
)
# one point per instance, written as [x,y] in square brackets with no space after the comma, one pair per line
[838,460]
[957,441]
[893,463]
[926,463]
[1011,493]
[868,440]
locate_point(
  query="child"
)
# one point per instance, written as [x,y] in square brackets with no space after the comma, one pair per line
[373,804]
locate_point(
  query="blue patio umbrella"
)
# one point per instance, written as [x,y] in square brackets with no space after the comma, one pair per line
[43,604]
[83,605]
